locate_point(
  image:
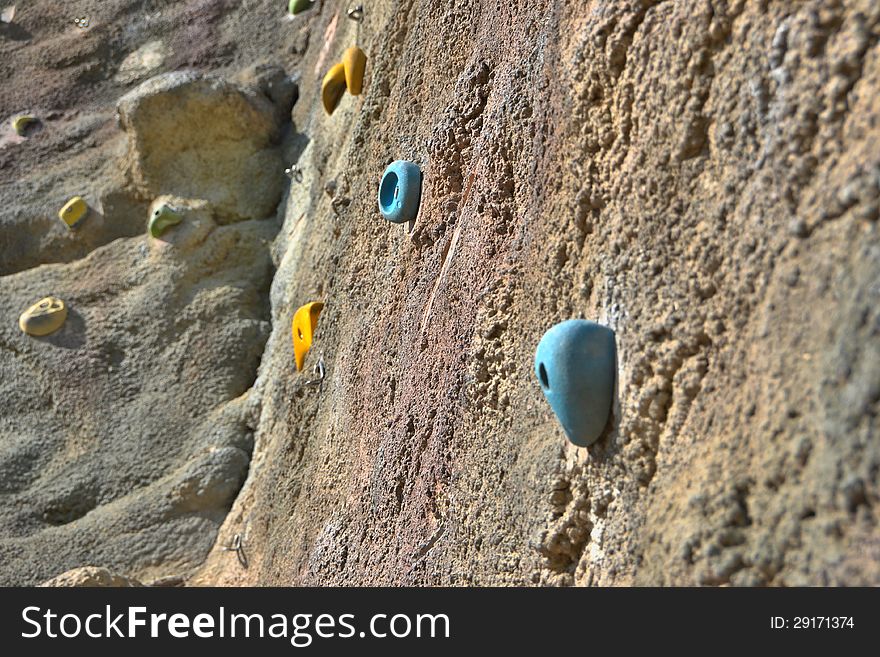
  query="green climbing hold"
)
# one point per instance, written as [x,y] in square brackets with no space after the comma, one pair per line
[162,218]
[299,6]
[23,124]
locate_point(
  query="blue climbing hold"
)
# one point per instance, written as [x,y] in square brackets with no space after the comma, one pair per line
[400,191]
[576,364]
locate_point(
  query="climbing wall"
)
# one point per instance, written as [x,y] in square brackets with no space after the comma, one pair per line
[701,177]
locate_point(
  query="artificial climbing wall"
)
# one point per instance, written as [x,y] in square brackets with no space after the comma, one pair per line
[700,176]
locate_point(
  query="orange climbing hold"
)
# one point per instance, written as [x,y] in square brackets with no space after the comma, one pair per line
[333,87]
[305,320]
[354,61]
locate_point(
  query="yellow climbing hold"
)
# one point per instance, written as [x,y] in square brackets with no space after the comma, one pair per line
[354,61]
[44,317]
[333,87]
[73,211]
[21,123]
[305,320]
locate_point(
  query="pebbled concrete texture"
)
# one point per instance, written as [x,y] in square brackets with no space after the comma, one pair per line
[127,433]
[700,176]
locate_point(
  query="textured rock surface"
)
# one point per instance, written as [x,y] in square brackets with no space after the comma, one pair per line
[91,576]
[702,176]
[201,137]
[126,434]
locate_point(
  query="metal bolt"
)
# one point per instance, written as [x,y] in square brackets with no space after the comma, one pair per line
[237,546]
[320,372]
[356,13]
[294,173]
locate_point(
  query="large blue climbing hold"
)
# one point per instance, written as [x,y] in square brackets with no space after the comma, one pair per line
[400,192]
[576,363]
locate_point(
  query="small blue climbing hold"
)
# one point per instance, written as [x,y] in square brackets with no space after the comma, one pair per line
[400,191]
[576,364]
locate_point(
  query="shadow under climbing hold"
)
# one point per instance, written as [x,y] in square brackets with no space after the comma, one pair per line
[298,6]
[74,211]
[162,218]
[44,317]
[354,61]
[576,364]
[23,123]
[305,320]
[400,191]
[333,87]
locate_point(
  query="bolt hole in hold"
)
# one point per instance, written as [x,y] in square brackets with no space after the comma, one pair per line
[388,191]
[400,192]
[163,218]
[542,374]
[581,357]
[305,321]
[44,317]
[25,125]
[73,212]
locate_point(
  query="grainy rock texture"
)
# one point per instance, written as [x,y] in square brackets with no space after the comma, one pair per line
[91,576]
[702,176]
[127,433]
[204,138]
